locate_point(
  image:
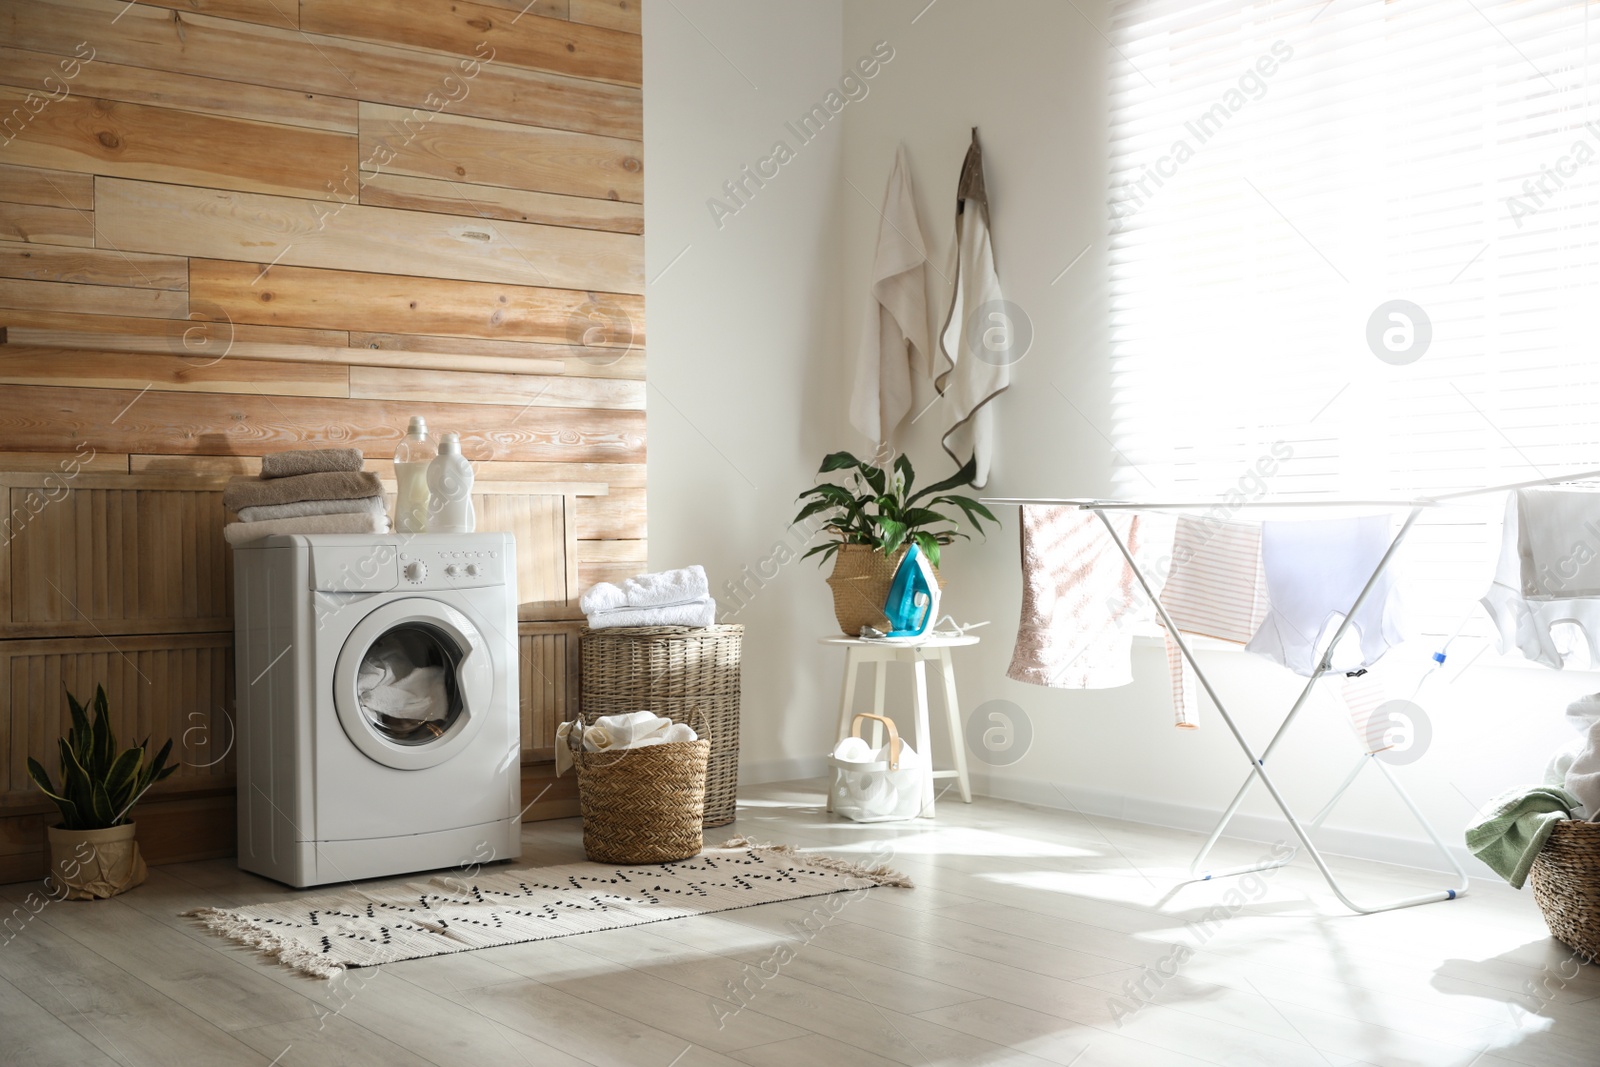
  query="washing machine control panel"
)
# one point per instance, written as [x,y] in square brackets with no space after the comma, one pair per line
[429,567]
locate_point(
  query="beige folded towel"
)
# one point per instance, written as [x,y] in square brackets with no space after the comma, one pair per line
[310,461]
[238,533]
[301,508]
[243,491]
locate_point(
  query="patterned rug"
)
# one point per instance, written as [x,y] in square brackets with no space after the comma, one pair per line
[321,934]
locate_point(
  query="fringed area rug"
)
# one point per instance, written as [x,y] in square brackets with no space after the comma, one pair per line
[321,934]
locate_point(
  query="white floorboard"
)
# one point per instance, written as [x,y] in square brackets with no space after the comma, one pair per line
[1034,936]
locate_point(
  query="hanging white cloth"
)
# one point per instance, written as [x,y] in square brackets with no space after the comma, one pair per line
[979,340]
[895,340]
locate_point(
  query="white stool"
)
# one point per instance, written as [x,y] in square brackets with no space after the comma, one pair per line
[879,653]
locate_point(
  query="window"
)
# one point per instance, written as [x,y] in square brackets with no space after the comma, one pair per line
[1369,230]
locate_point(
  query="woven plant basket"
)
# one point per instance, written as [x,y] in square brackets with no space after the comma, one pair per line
[643,805]
[1566,883]
[688,674]
[860,582]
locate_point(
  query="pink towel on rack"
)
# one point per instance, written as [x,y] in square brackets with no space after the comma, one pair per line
[1078,600]
[1217,588]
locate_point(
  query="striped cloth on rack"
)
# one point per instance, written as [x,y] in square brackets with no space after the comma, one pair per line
[1217,588]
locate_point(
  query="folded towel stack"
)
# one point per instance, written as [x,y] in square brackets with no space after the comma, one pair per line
[312,491]
[671,598]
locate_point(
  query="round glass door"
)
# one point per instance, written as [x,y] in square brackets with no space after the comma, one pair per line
[412,683]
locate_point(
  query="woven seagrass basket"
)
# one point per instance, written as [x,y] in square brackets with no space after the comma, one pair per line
[643,805]
[687,674]
[1566,883]
[860,582]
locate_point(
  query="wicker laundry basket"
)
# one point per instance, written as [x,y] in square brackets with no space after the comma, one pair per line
[688,674]
[643,805]
[1566,883]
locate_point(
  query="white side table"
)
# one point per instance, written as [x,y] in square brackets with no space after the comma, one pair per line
[878,654]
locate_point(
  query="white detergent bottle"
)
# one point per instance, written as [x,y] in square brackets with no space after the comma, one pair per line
[411,459]
[450,489]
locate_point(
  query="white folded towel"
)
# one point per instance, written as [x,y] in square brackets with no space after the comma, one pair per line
[668,587]
[602,596]
[700,613]
[238,533]
[686,585]
[301,508]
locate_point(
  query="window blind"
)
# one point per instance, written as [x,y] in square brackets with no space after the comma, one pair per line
[1367,230]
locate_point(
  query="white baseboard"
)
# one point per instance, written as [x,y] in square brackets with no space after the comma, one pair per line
[762,772]
[1337,841]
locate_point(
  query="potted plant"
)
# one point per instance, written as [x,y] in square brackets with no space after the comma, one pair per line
[872,520]
[93,851]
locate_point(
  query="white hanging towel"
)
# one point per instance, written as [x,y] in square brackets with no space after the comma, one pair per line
[978,337]
[895,340]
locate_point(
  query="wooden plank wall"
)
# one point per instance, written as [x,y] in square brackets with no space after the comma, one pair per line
[229,227]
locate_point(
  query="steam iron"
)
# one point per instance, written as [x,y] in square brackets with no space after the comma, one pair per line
[913,598]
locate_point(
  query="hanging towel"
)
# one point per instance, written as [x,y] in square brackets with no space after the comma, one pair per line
[242,491]
[238,533]
[978,371]
[310,461]
[1511,829]
[894,342]
[301,508]
[1216,588]
[696,613]
[1077,596]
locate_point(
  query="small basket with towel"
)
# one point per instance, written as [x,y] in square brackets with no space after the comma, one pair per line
[1566,883]
[879,785]
[642,797]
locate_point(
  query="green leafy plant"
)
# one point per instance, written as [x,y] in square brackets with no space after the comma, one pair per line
[877,508]
[98,783]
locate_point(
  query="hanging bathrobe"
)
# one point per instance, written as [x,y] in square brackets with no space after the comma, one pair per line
[979,337]
[895,341]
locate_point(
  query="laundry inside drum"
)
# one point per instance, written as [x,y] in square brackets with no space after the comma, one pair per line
[407,684]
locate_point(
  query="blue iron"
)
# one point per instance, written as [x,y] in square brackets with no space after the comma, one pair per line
[913,596]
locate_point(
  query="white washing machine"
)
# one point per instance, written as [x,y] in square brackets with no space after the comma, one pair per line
[350,765]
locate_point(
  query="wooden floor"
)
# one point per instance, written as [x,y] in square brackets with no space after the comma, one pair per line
[1025,942]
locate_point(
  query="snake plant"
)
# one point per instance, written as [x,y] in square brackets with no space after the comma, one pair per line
[98,783]
[878,509]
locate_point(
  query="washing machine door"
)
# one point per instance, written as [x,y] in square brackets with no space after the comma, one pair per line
[413,683]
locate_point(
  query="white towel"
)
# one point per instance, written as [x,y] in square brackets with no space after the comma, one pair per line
[602,596]
[686,585]
[682,586]
[238,533]
[979,339]
[699,613]
[1579,764]
[895,339]
[302,508]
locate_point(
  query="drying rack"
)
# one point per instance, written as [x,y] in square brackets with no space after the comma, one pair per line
[1258,763]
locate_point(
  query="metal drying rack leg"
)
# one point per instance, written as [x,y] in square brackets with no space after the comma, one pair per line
[1258,767]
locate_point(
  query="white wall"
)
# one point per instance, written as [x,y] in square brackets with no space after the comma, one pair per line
[752,332]
[741,332]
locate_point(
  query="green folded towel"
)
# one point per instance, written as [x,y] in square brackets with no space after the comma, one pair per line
[1511,829]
